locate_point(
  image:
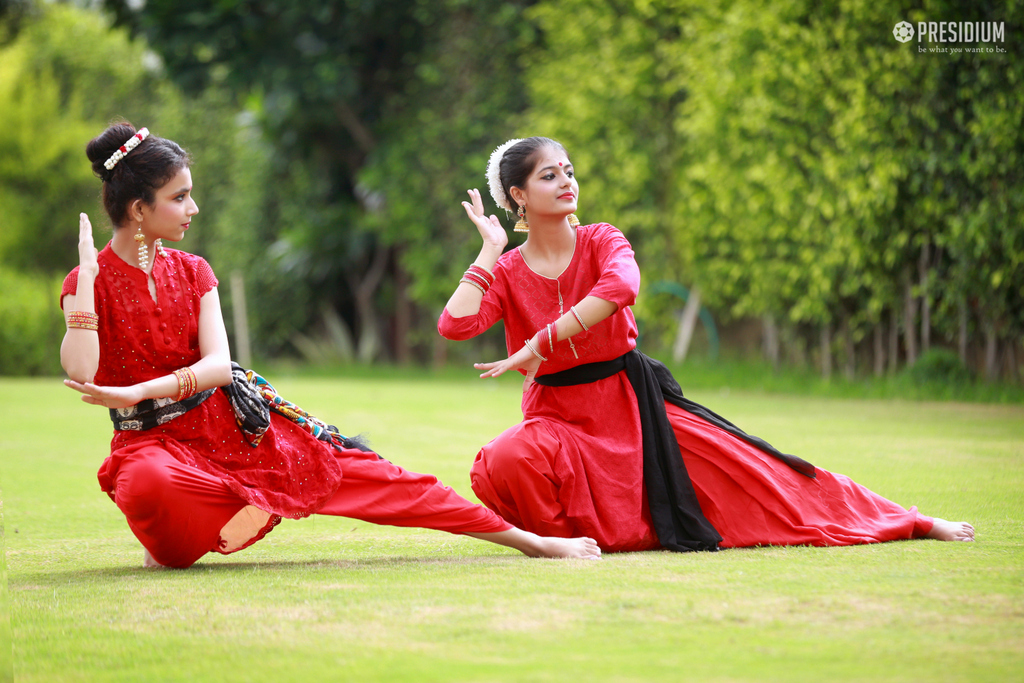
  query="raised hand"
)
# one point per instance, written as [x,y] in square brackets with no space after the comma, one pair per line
[86,246]
[489,227]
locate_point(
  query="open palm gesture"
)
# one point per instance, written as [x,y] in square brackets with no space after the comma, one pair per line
[488,226]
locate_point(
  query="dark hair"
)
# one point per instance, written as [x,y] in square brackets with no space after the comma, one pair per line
[138,174]
[518,161]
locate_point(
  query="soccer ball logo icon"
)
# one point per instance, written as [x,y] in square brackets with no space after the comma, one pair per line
[903,31]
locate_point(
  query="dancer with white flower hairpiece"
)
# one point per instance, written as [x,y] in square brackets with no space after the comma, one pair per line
[203,458]
[608,446]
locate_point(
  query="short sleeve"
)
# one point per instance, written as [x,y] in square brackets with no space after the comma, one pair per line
[205,279]
[619,280]
[70,286]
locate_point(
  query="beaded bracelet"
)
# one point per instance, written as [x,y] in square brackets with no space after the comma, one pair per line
[475,284]
[533,350]
[83,320]
[187,383]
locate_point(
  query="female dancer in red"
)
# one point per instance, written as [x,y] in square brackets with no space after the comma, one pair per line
[146,339]
[608,446]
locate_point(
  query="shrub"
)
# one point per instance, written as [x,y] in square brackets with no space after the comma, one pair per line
[31,324]
[940,366]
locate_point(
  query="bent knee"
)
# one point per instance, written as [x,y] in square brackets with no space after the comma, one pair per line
[141,485]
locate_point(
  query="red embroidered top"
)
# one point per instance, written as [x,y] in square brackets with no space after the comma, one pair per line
[289,473]
[597,424]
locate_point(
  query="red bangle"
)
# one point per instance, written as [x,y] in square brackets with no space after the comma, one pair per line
[471,275]
[486,274]
[187,383]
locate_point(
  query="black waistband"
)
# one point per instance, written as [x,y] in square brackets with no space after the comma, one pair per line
[154,412]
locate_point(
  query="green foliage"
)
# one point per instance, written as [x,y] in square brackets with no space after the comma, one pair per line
[939,366]
[31,324]
[796,161]
[439,133]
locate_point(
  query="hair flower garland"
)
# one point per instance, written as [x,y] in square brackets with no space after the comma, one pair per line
[123,150]
[494,175]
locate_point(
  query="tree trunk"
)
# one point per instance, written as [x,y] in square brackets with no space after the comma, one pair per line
[439,355]
[771,340]
[687,323]
[991,357]
[909,316]
[368,346]
[403,312]
[962,334]
[894,341]
[926,309]
[879,349]
[1012,368]
[826,351]
[240,316]
[849,351]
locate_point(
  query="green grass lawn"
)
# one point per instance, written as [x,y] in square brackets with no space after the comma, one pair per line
[332,599]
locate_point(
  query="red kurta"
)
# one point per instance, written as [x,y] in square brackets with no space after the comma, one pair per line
[574,465]
[199,465]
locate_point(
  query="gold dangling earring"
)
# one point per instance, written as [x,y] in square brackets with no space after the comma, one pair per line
[522,225]
[574,222]
[158,243]
[143,249]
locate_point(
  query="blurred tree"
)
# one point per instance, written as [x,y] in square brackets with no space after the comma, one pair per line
[329,80]
[797,163]
[437,135]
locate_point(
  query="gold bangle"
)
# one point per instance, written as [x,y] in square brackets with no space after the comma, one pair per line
[83,320]
[187,382]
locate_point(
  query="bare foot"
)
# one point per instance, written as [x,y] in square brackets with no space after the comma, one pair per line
[533,545]
[951,531]
[148,561]
[579,548]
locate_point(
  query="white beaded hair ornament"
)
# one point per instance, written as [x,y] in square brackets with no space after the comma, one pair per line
[123,150]
[494,175]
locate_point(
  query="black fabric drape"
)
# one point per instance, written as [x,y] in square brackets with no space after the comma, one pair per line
[675,511]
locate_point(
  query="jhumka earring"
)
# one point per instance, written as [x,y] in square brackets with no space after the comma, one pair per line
[574,222]
[522,225]
[143,249]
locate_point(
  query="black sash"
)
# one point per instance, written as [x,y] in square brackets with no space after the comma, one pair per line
[675,511]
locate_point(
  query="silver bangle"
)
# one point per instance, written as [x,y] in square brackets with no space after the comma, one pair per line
[529,345]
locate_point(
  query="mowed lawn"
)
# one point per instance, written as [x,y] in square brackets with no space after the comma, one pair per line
[326,599]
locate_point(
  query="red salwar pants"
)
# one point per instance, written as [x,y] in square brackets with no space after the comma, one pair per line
[177,511]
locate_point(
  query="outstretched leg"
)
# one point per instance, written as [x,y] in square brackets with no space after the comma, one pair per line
[533,545]
[378,491]
[950,531]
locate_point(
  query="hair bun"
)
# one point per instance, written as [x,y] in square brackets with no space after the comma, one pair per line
[105,144]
